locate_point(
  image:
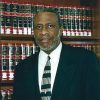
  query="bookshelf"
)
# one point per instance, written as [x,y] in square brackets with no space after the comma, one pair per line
[17,37]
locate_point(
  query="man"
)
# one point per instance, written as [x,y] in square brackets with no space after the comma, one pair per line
[74,73]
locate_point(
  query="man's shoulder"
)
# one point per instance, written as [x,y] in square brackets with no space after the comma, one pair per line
[79,55]
[77,51]
[29,58]
[27,62]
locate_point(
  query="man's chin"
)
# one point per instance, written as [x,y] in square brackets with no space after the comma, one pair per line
[44,47]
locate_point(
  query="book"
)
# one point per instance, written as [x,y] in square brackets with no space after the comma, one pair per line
[6,94]
[3,24]
[15,24]
[5,67]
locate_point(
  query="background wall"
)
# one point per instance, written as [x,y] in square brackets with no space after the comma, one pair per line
[58,2]
[97,19]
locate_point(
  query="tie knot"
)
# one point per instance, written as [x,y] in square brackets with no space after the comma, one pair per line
[48,61]
[48,57]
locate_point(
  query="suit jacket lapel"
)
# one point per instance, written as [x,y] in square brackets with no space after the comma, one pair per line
[62,75]
[36,77]
[33,75]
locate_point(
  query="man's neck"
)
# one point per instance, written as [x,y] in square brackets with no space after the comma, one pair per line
[49,51]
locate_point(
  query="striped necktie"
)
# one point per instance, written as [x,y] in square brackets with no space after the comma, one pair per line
[46,81]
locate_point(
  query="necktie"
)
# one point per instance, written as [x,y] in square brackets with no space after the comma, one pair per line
[46,81]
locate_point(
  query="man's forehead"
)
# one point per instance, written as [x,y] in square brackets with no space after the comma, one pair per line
[45,17]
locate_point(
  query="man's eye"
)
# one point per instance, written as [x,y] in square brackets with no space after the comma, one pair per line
[38,27]
[51,26]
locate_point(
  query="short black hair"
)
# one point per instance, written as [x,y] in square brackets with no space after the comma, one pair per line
[51,10]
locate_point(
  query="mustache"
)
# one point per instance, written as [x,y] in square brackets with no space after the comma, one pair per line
[44,38]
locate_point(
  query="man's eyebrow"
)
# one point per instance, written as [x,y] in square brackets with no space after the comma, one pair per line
[38,24]
[44,24]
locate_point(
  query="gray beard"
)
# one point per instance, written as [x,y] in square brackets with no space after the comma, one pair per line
[53,46]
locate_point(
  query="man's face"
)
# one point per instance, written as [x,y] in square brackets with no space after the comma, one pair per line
[47,32]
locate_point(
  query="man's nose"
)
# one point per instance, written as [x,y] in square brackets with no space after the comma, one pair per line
[44,30]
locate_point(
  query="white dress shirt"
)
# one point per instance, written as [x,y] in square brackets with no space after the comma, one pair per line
[54,60]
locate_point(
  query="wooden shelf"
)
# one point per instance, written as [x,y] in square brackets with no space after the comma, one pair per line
[6,87]
[16,37]
[81,38]
[31,38]
[6,82]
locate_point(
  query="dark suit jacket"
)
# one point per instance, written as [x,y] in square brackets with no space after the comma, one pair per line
[77,78]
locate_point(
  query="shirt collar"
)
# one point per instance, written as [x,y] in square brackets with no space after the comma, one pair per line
[53,53]
[57,51]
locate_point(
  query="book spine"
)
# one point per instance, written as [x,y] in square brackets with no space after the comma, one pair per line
[4,60]
[12,50]
[6,94]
